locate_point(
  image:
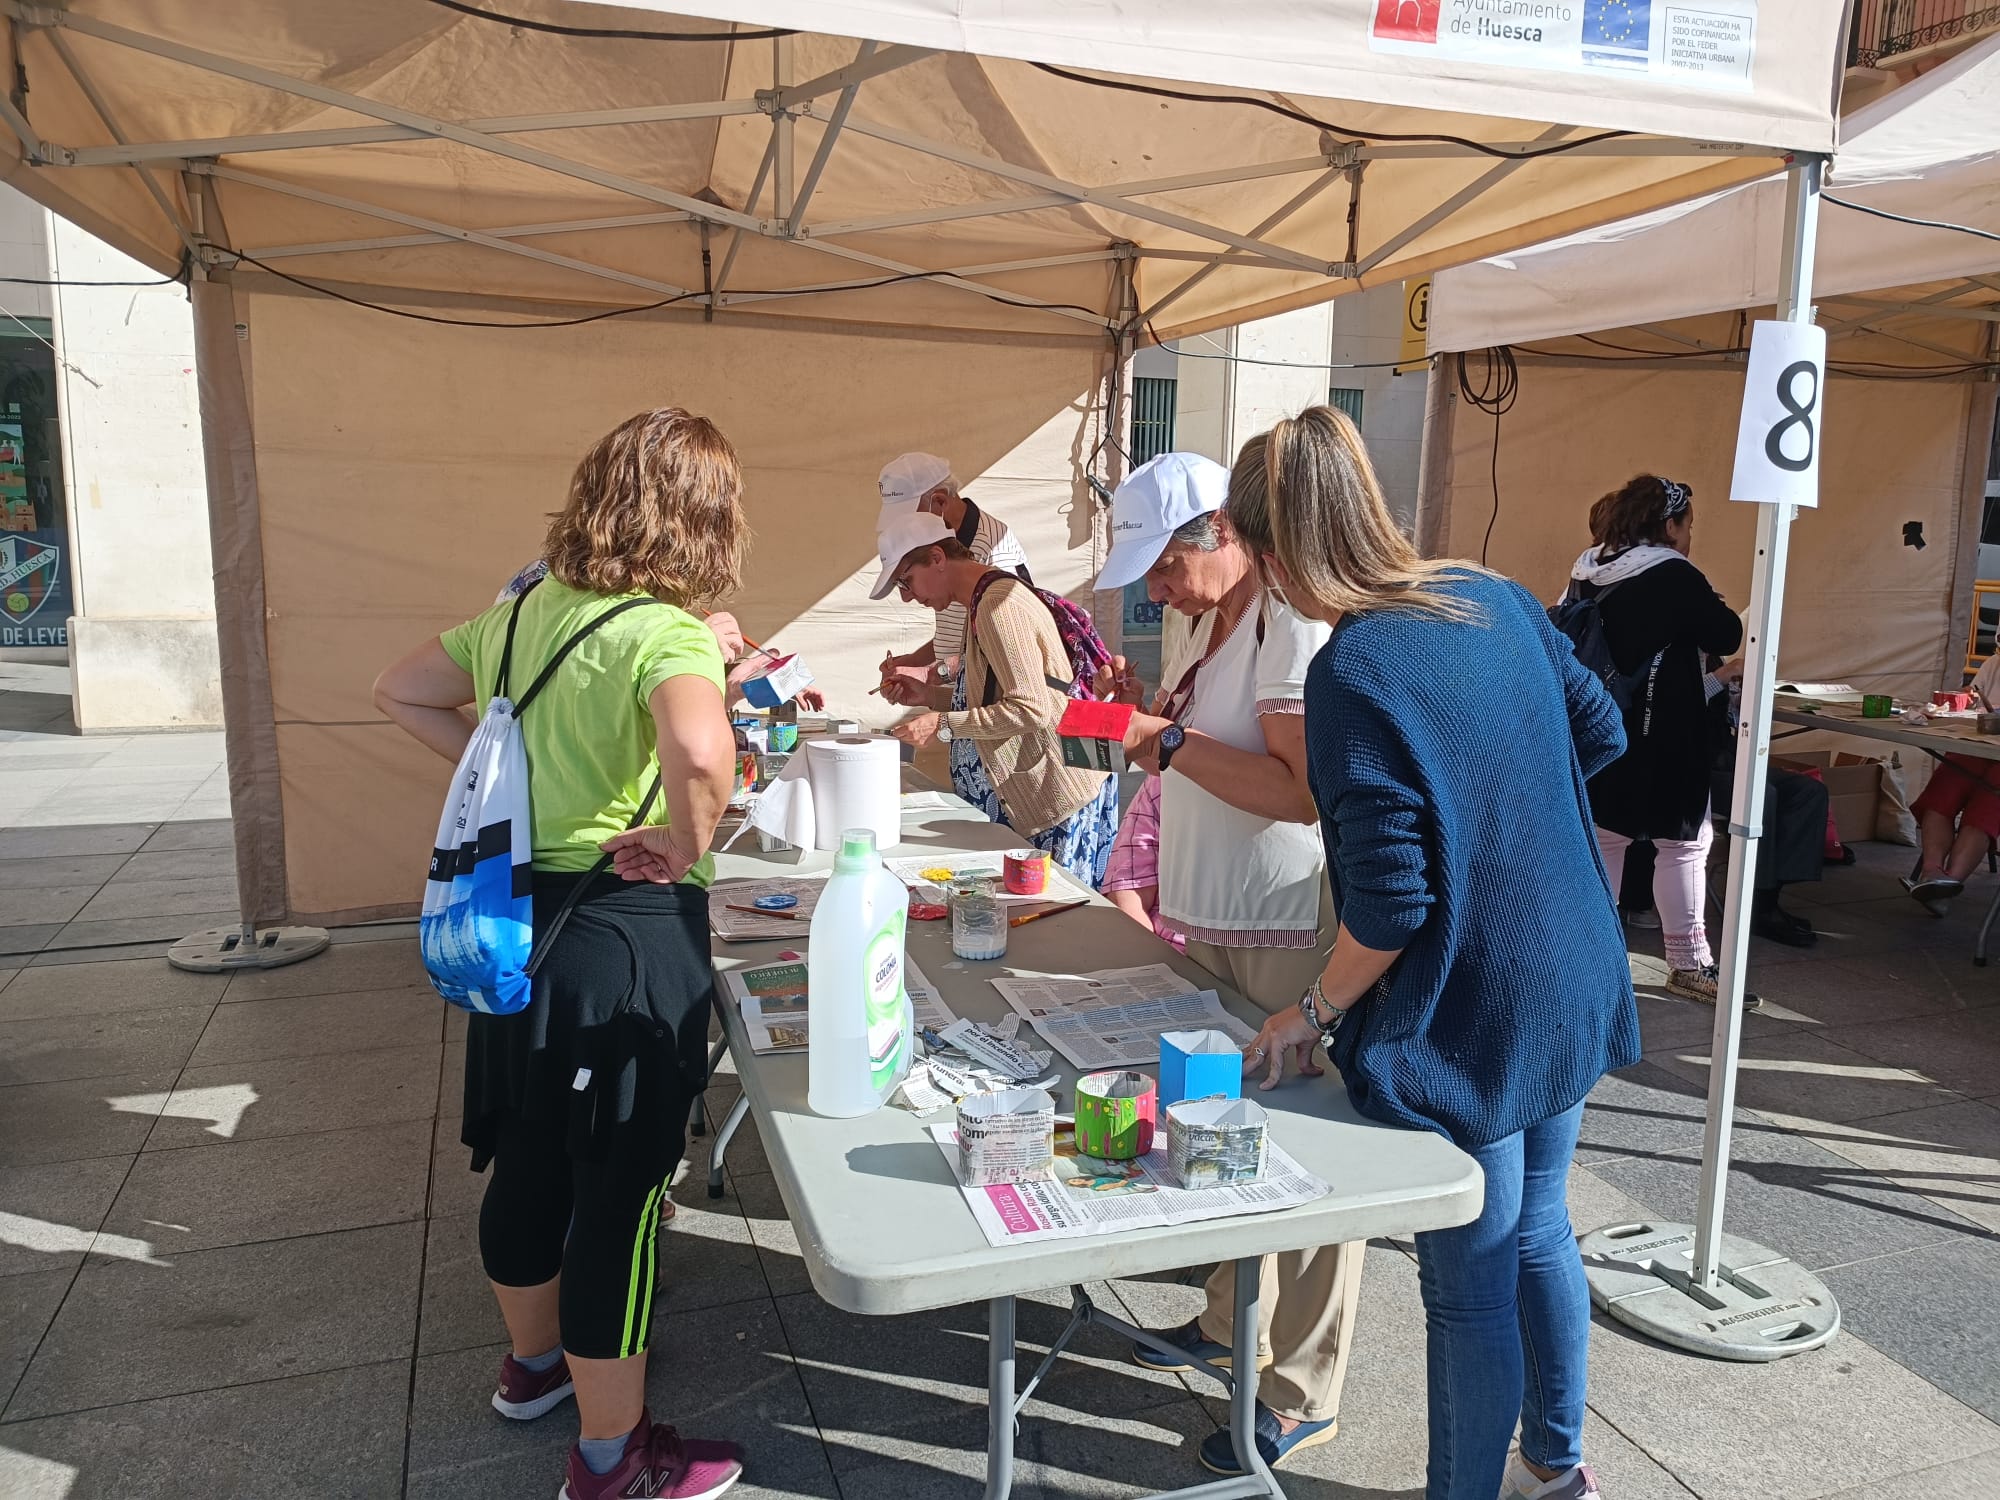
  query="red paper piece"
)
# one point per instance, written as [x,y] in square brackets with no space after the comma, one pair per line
[1087,720]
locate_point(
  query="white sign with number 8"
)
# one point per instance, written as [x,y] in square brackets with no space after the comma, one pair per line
[1778,437]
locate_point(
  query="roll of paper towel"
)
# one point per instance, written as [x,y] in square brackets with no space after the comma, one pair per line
[857,782]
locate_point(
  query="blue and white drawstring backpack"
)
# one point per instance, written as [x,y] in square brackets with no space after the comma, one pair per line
[477,929]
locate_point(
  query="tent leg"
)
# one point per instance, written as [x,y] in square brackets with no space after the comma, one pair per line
[1678,1283]
[249,729]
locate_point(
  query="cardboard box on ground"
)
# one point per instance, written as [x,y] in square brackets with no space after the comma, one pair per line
[1866,795]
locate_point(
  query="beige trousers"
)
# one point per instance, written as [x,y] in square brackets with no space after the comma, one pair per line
[1306,1299]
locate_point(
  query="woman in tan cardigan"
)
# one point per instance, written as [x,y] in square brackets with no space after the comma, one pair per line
[1013,656]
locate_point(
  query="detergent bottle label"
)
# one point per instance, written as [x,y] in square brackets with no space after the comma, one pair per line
[887,1003]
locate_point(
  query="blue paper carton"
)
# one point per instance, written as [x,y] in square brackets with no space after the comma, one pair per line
[1198,1065]
[782,681]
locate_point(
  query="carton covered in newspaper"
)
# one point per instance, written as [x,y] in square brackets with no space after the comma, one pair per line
[1217,1142]
[781,682]
[1199,1065]
[1006,1136]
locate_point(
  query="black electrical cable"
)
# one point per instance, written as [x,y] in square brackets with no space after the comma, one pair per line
[620,312]
[1883,213]
[1285,111]
[58,281]
[1665,353]
[1498,389]
[1631,356]
[615,33]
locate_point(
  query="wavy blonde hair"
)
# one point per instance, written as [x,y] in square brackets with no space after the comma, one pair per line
[1325,520]
[655,507]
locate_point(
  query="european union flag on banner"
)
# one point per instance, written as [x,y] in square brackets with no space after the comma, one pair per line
[1618,33]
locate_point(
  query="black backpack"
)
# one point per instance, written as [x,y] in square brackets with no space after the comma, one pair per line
[1579,616]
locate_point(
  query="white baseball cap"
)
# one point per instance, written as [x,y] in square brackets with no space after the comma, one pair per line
[908,479]
[898,539]
[1162,495]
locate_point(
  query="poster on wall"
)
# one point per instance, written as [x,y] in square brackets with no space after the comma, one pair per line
[34,589]
[34,584]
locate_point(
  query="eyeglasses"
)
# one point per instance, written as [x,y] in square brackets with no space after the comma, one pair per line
[903,585]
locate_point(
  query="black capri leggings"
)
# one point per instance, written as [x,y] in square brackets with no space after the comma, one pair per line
[596,1224]
[581,1102]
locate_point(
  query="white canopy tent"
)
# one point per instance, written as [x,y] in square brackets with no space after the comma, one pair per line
[1911,313]
[1930,149]
[844,245]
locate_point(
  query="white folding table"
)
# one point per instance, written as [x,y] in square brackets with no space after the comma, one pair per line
[883,1230]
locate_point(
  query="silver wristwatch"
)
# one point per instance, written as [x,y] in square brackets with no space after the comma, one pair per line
[1309,1008]
[944,729]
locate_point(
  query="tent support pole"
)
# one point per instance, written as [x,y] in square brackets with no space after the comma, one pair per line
[1753,754]
[1124,331]
[1468,194]
[795,221]
[1678,1283]
[436,227]
[249,731]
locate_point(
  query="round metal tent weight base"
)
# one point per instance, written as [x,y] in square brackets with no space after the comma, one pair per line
[1764,1306]
[223,950]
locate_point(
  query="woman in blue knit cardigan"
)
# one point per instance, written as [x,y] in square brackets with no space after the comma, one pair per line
[1479,985]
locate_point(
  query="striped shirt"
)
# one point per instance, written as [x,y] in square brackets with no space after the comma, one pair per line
[989,540]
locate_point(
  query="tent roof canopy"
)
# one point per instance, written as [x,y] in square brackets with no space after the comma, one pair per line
[1926,151]
[945,164]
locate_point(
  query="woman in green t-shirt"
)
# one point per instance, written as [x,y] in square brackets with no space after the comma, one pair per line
[580,1101]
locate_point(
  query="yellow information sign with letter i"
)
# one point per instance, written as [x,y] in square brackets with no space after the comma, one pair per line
[1416,325]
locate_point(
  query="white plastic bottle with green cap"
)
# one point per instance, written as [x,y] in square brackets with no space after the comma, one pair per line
[858,1008]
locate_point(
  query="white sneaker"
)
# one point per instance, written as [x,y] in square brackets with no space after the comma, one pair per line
[1522,1483]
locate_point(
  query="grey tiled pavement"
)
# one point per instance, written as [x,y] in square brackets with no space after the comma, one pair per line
[106,841]
[238,1249]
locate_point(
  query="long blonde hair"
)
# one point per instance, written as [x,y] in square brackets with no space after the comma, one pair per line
[1332,530]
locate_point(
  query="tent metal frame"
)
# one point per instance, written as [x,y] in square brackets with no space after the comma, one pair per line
[791,191]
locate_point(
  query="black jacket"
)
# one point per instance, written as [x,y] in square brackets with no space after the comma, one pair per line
[1659,788]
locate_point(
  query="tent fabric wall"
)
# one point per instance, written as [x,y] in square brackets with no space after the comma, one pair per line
[1861,607]
[405,471]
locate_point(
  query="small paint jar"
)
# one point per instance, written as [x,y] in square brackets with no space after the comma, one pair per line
[1025,872]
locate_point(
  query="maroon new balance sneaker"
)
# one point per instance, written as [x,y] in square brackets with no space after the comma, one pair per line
[658,1465]
[525,1394]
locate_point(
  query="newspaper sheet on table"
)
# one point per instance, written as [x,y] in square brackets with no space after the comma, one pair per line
[1083,1196]
[1115,1017]
[772,999]
[921,874]
[755,927]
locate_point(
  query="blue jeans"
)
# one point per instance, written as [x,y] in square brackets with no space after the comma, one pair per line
[1508,1316]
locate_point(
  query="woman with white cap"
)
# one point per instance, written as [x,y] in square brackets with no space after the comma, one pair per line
[1015,658]
[1242,872]
[923,482]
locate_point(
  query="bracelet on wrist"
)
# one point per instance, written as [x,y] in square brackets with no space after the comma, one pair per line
[1309,1007]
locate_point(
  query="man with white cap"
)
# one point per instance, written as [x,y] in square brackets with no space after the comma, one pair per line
[1242,871]
[1016,660]
[921,483]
